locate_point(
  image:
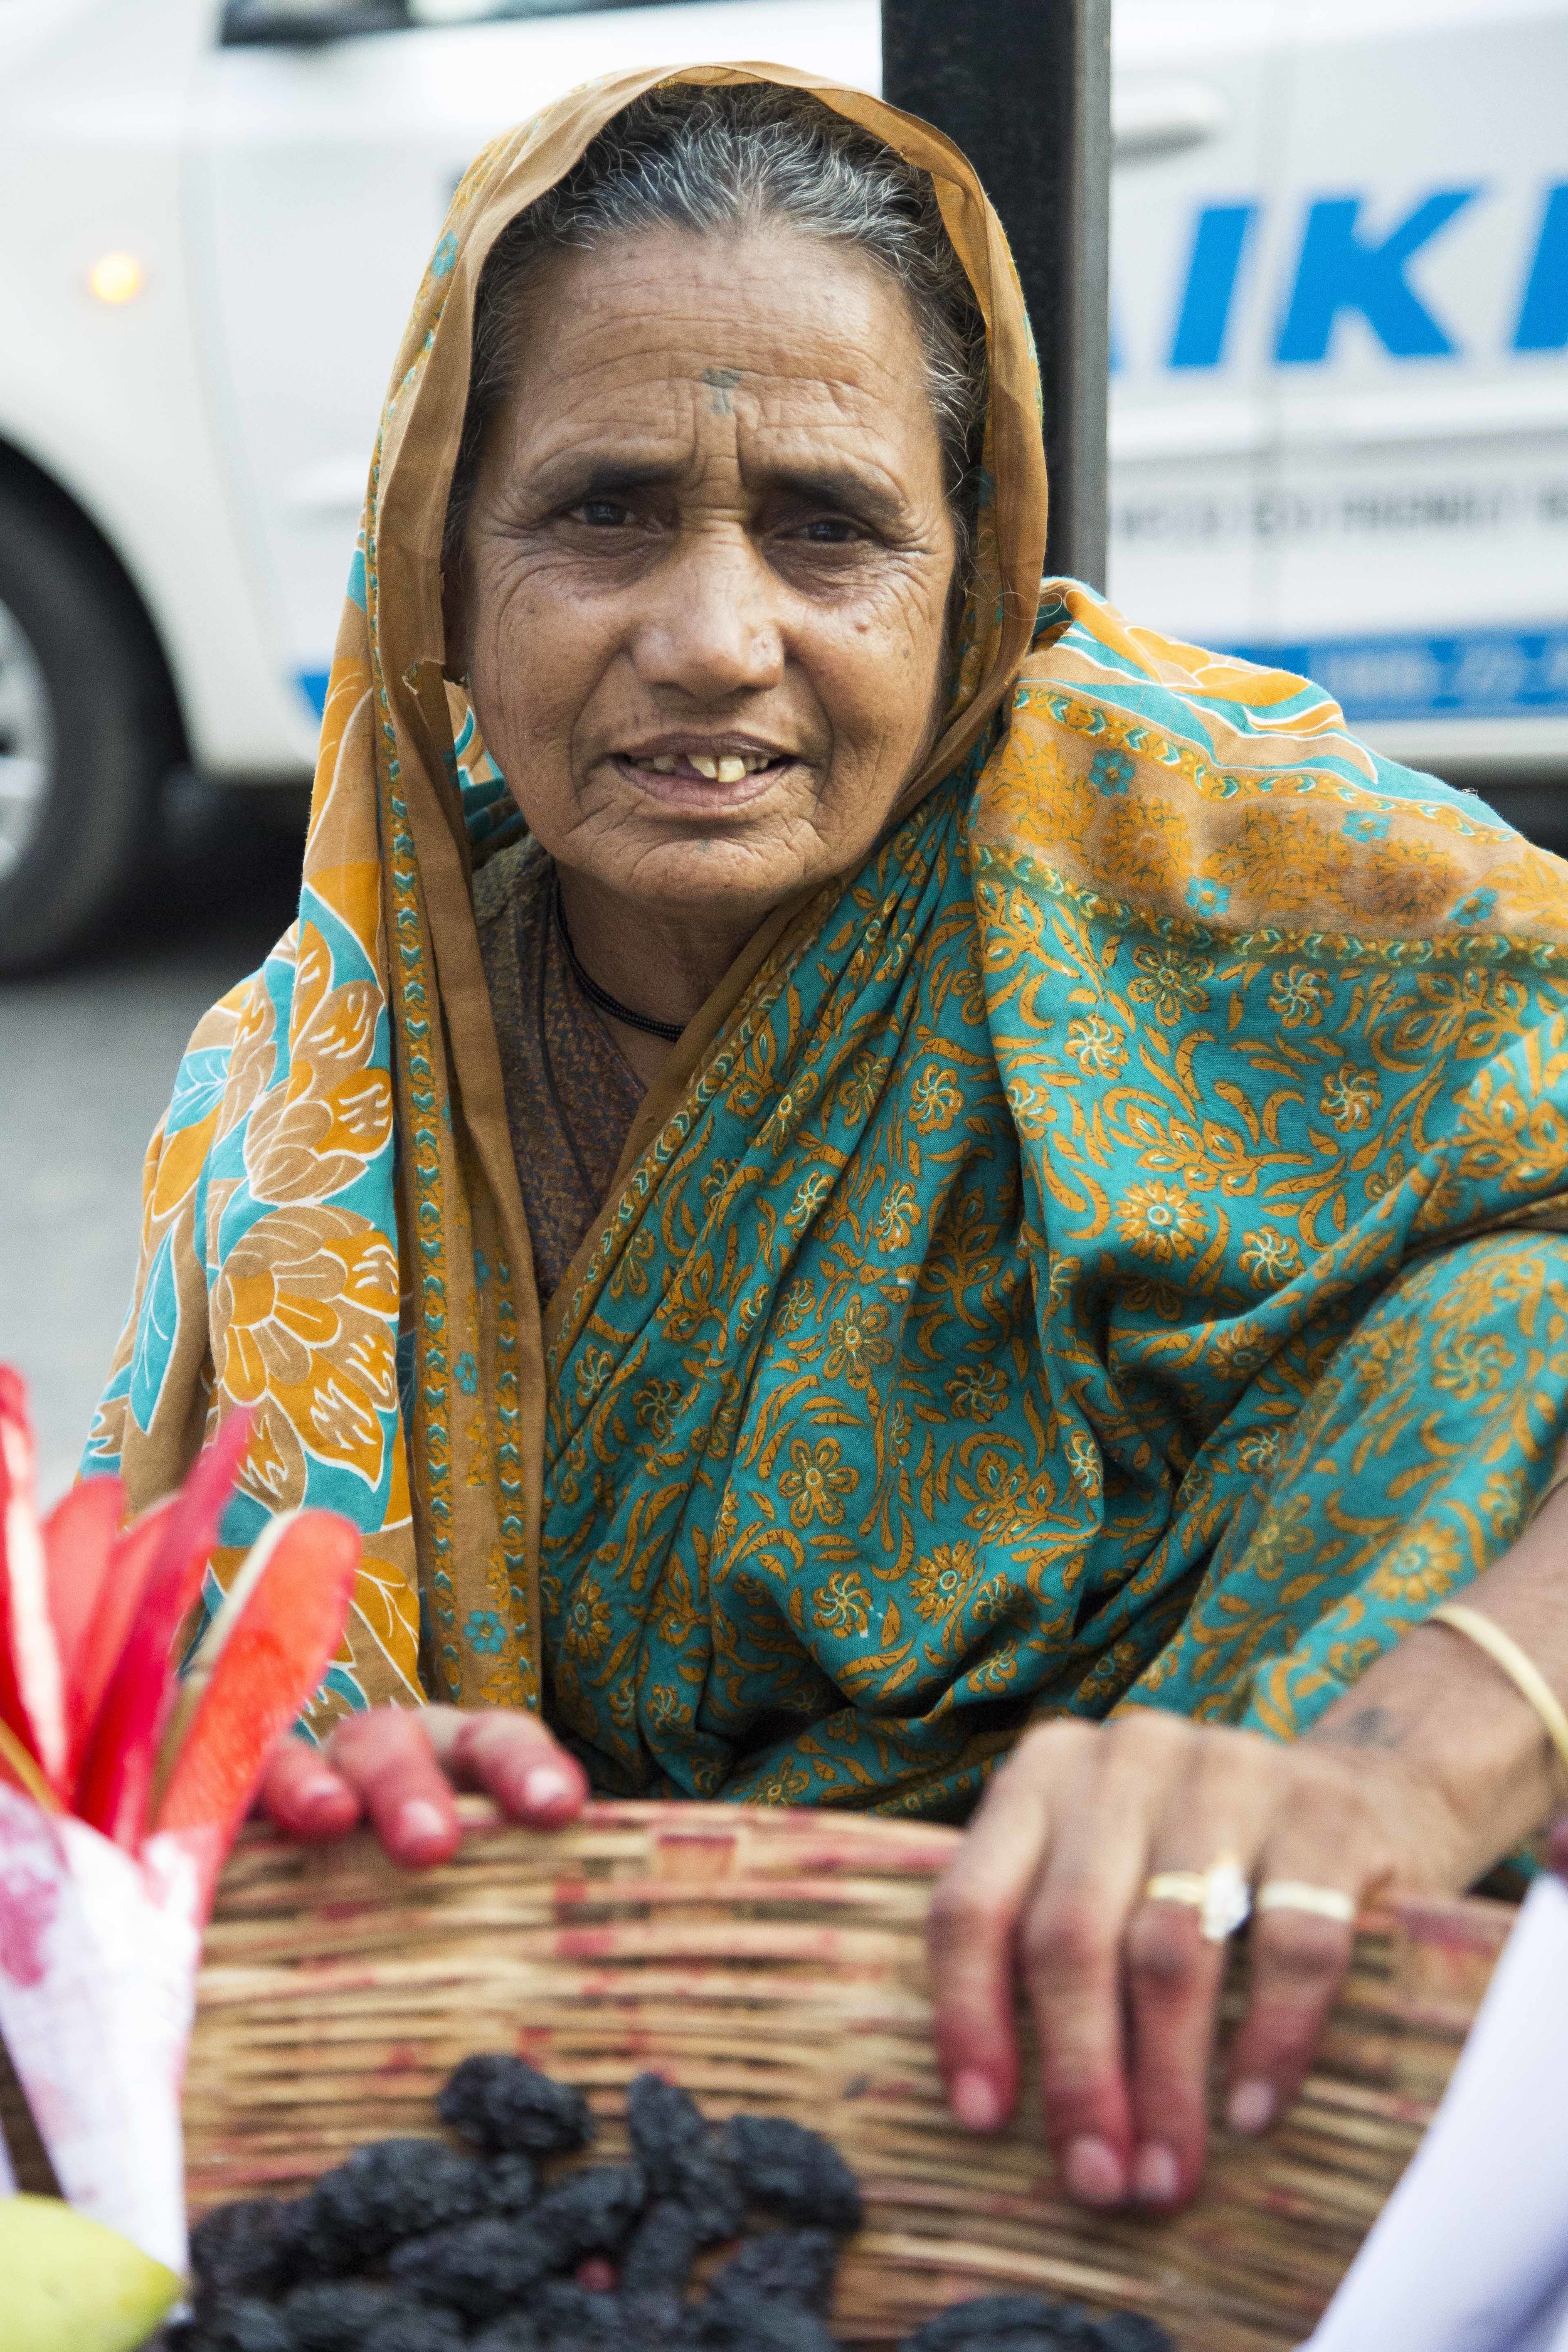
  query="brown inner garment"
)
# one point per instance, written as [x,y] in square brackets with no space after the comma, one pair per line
[571,1096]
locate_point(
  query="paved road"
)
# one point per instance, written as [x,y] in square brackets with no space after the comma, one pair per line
[86,1060]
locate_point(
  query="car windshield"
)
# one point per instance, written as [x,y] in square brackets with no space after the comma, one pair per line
[470,12]
[285,22]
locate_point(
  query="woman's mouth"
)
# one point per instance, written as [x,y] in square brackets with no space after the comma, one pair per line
[702,782]
[721,768]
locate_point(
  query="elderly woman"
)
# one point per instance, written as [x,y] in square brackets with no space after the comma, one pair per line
[877,1189]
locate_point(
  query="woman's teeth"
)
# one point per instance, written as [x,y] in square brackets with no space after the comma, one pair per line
[726,770]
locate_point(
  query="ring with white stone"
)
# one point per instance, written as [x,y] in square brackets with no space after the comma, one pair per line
[1219,1894]
[1300,1895]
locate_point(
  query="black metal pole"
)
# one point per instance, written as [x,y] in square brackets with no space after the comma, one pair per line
[1024,88]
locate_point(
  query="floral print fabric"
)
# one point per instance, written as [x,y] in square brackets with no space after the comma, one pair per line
[1048,1298]
[1103,1251]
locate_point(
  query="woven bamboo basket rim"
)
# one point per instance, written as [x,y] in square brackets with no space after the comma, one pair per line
[773,1960]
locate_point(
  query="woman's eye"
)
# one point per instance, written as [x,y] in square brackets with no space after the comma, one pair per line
[830,531]
[602,514]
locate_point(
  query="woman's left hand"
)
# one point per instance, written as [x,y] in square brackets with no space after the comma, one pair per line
[1051,1885]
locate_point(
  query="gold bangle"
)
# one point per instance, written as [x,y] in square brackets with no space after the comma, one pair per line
[1520,1669]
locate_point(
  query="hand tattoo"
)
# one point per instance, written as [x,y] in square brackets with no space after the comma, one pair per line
[1369,1726]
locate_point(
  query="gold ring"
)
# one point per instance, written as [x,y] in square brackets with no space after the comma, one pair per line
[1218,1893]
[1298,1894]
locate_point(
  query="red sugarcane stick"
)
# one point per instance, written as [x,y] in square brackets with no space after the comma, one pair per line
[103,1639]
[13,1714]
[79,1539]
[117,1772]
[269,1664]
[32,1696]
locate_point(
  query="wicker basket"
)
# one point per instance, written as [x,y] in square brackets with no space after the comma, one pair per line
[775,1961]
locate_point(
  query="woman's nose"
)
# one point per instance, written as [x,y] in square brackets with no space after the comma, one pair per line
[710,627]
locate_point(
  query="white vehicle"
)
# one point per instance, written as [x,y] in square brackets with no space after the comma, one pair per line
[1340,405]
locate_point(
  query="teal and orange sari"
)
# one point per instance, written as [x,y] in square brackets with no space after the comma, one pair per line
[1112,1247]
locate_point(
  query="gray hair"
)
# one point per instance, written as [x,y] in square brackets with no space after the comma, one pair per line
[730,158]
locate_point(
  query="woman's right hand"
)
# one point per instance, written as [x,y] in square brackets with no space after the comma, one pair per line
[398,1768]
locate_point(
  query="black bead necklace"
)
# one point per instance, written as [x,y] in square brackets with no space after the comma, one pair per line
[670,1031]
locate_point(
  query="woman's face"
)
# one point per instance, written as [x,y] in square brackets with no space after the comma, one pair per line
[707,567]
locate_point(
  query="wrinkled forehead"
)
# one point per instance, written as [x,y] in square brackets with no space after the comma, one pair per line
[769,326]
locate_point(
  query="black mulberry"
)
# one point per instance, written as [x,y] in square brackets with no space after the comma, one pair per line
[1129,2331]
[663,2247]
[1005,2322]
[589,2213]
[414,2329]
[516,2333]
[659,2316]
[384,2193]
[509,2183]
[480,2268]
[339,2315]
[501,2103]
[682,2157]
[571,2318]
[796,2264]
[794,2171]
[246,2247]
[751,2320]
[243,2324]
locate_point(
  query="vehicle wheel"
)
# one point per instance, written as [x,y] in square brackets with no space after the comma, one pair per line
[87,733]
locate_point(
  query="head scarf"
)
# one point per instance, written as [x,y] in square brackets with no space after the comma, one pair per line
[983,1252]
